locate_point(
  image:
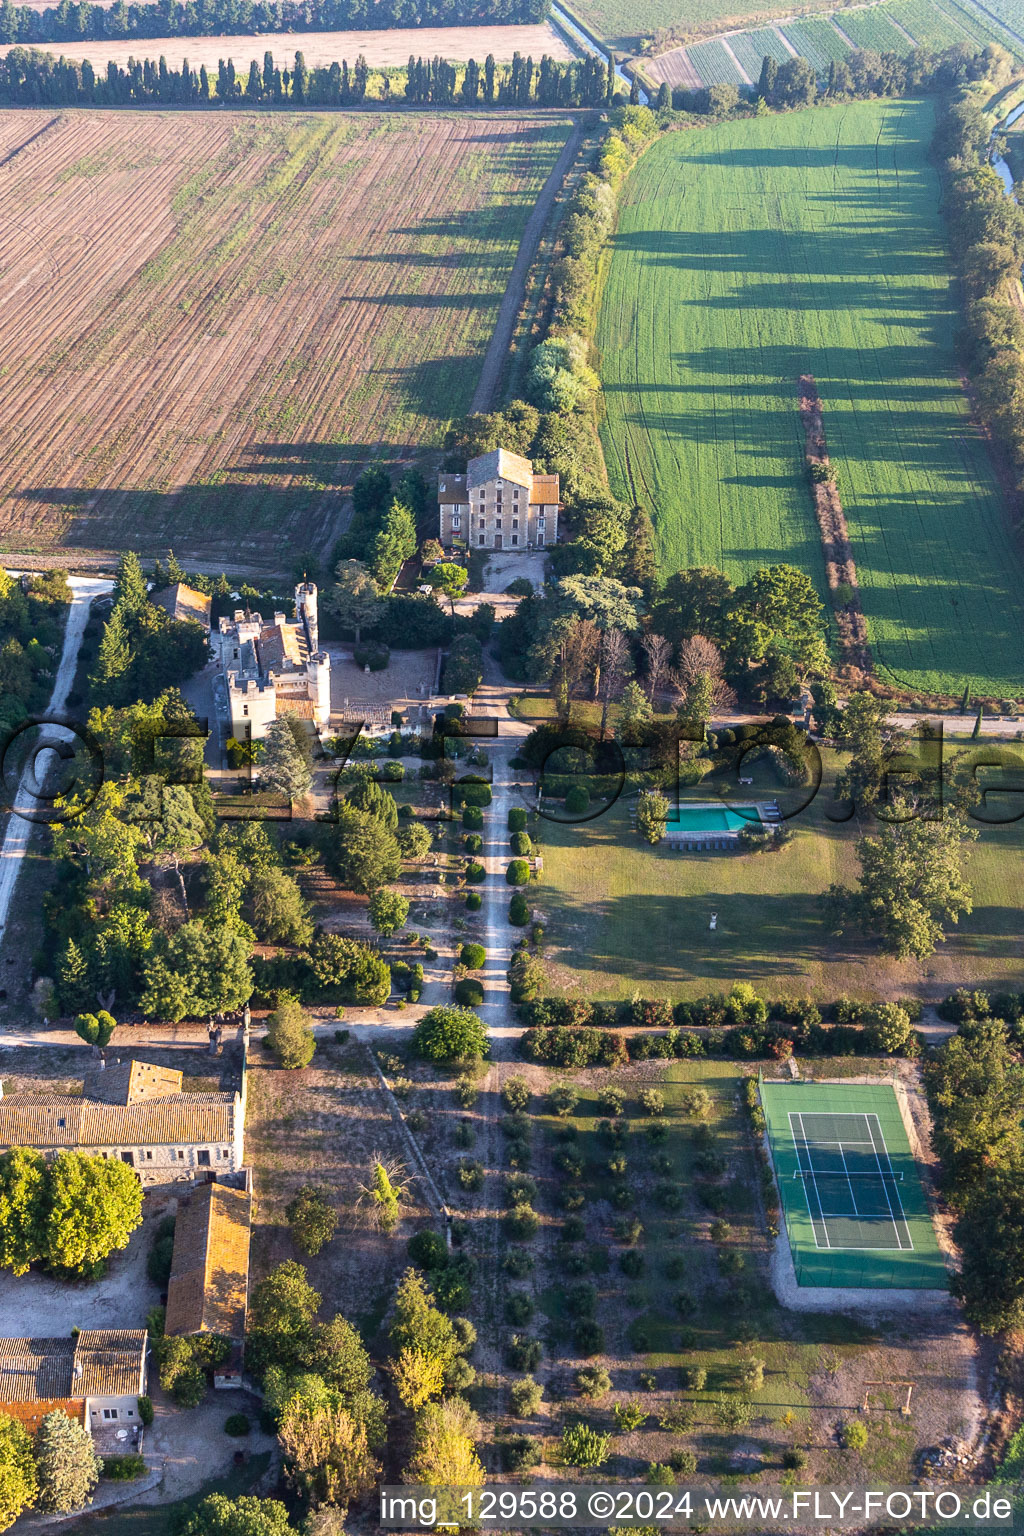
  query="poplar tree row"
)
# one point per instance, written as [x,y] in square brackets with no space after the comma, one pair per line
[29,77]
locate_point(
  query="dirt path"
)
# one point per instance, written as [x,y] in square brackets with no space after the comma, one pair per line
[508,310]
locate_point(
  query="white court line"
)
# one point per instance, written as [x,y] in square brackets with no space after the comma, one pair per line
[881,1173]
[814,1182]
[808,1176]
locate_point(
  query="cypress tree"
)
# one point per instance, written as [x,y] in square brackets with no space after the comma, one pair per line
[767,80]
[489,79]
[114,656]
[130,584]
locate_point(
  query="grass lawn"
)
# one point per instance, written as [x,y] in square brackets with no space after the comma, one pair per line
[622,916]
[810,242]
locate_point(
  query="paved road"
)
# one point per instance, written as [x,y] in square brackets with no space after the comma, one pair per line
[26,798]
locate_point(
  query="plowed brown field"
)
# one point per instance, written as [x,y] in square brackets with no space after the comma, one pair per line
[211,323]
[382,48]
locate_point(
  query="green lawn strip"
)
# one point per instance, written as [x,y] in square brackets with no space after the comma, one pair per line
[809,242]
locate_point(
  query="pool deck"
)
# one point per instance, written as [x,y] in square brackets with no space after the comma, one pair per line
[700,839]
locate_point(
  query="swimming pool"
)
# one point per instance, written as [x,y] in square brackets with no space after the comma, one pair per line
[713,818]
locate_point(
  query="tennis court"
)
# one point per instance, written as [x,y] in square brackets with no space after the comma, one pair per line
[852,1198]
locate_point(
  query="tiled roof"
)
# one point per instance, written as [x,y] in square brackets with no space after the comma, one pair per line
[294,704]
[184,602]
[451,489]
[280,645]
[108,1362]
[35,1368]
[544,491]
[499,464]
[208,1288]
[129,1082]
[56,1120]
[97,1363]
[31,1415]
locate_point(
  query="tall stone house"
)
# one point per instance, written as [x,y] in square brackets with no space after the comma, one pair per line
[276,668]
[499,503]
[136,1112]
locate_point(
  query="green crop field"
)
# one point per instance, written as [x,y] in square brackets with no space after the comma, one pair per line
[810,242]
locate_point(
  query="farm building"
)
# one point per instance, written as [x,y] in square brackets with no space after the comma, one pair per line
[184,602]
[208,1291]
[275,668]
[499,503]
[96,1377]
[138,1113]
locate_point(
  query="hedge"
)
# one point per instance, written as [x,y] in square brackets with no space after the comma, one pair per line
[376,657]
[472,792]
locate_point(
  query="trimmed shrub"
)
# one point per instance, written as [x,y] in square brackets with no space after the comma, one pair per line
[473,956]
[469,992]
[472,818]
[517,873]
[376,657]
[518,1309]
[583,1446]
[517,819]
[124,1469]
[519,910]
[577,801]
[523,1353]
[475,873]
[515,1095]
[236,1425]
[521,1224]
[519,1452]
[471,792]
[525,1397]
[474,901]
[521,844]
[593,1382]
[428,1249]
[588,1337]
[472,842]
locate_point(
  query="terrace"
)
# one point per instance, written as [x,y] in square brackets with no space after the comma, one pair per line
[694,828]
